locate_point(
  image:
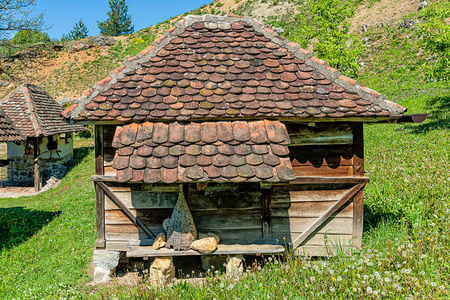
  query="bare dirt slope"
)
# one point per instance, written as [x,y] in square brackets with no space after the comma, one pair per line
[67,74]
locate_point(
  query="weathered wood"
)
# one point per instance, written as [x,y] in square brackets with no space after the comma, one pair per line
[265,213]
[36,169]
[116,201]
[331,155]
[328,180]
[144,200]
[358,218]
[288,194]
[320,221]
[326,171]
[98,134]
[220,196]
[148,216]
[358,149]
[222,249]
[127,232]
[207,221]
[332,225]
[101,177]
[320,134]
[319,163]
[100,212]
[313,209]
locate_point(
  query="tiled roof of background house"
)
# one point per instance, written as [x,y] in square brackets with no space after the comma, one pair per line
[8,132]
[210,151]
[216,67]
[35,113]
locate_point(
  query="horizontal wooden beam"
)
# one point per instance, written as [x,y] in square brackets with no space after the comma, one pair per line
[327,180]
[321,220]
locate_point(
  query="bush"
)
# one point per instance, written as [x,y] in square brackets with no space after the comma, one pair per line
[28,36]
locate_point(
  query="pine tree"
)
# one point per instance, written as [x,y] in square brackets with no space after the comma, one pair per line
[79,31]
[119,21]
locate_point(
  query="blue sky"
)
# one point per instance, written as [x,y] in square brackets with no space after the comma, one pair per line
[62,15]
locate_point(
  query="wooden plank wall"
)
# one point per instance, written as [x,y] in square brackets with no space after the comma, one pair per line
[233,211]
[295,207]
[324,149]
[108,150]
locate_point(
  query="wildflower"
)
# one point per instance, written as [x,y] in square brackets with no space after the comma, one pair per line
[312,278]
[355,290]
[369,290]
[276,262]
[246,286]
[387,280]
[339,278]
[433,283]
[270,259]
[332,289]
[222,285]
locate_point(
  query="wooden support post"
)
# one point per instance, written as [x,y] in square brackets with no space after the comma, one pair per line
[98,133]
[134,219]
[321,220]
[37,172]
[358,171]
[358,150]
[265,213]
[358,218]
[100,243]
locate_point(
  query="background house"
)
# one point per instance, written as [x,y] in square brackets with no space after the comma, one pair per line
[48,139]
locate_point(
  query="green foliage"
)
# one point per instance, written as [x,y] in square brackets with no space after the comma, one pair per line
[16,15]
[28,36]
[323,26]
[79,31]
[119,21]
[435,30]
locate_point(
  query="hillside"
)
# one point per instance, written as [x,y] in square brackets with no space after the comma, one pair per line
[46,241]
[67,73]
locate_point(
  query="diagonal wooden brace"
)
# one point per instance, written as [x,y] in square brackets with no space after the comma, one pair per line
[320,220]
[135,220]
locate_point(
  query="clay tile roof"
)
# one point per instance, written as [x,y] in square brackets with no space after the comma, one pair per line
[8,132]
[35,113]
[247,151]
[216,67]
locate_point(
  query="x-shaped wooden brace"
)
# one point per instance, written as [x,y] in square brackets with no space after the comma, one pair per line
[323,218]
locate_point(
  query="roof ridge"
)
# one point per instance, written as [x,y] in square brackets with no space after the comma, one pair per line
[319,65]
[34,117]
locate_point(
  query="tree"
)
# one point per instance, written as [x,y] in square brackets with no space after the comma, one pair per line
[119,21]
[15,15]
[79,31]
[28,36]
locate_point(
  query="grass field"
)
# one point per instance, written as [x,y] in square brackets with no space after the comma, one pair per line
[47,240]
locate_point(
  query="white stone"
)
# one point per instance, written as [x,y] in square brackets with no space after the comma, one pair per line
[209,234]
[105,263]
[235,265]
[205,246]
[162,270]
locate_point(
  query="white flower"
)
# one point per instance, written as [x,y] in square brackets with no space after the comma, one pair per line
[433,284]
[355,290]
[387,280]
[332,289]
[339,278]
[312,278]
[369,290]
[222,285]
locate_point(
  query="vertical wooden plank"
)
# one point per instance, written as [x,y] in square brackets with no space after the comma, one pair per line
[358,171]
[265,212]
[100,205]
[99,150]
[358,218]
[358,150]
[37,171]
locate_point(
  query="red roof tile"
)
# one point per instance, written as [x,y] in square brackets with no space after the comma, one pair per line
[35,113]
[234,71]
[239,155]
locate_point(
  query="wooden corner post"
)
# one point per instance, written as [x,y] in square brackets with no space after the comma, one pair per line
[358,171]
[99,193]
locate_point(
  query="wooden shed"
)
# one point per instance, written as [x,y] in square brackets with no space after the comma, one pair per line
[265,139]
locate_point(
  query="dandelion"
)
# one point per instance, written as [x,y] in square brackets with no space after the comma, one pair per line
[276,262]
[222,285]
[369,290]
[332,289]
[433,284]
[387,280]
[339,278]
[312,278]
[355,290]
